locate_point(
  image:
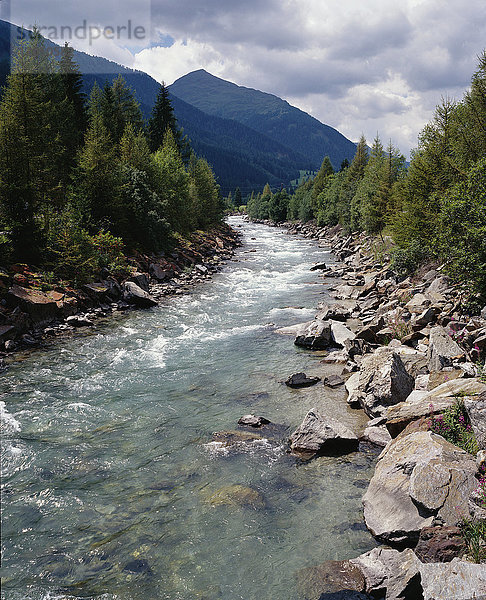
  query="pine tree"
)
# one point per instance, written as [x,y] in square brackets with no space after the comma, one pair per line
[162,119]
[73,87]
[238,200]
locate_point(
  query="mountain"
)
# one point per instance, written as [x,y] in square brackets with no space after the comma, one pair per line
[264,113]
[241,153]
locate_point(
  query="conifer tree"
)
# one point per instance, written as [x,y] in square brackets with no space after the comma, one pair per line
[162,119]
[72,81]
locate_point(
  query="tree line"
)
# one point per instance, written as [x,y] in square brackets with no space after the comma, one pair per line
[434,208]
[83,178]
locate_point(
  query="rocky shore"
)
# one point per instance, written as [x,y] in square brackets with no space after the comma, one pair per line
[409,353]
[33,314]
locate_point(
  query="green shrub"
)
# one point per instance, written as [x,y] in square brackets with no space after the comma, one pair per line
[405,261]
[474,533]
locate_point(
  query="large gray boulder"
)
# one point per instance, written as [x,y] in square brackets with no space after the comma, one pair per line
[418,477]
[383,381]
[316,335]
[442,349]
[434,402]
[455,580]
[133,294]
[390,573]
[341,334]
[318,435]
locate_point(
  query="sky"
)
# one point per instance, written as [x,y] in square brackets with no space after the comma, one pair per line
[363,67]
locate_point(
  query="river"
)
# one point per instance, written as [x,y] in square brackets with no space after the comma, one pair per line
[109,473]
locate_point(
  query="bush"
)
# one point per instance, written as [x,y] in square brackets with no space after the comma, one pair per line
[405,261]
[474,533]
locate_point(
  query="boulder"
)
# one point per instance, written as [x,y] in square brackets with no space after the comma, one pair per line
[455,580]
[296,330]
[133,294]
[390,572]
[383,381]
[340,334]
[476,409]
[158,273]
[252,421]
[7,333]
[300,380]
[434,402]
[352,385]
[316,336]
[317,435]
[418,478]
[36,304]
[97,291]
[333,381]
[417,304]
[442,349]
[329,579]
[79,321]
[440,544]
[376,433]
[319,267]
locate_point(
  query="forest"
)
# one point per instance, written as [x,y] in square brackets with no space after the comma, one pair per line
[433,209]
[84,181]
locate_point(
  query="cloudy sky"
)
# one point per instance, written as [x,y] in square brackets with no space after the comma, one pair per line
[362,66]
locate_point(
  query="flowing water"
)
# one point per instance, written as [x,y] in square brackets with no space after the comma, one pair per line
[112,488]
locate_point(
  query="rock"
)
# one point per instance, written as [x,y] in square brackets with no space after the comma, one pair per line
[97,291]
[392,572]
[437,378]
[383,381]
[434,402]
[10,346]
[319,267]
[201,268]
[427,316]
[418,477]
[36,304]
[440,544]
[158,273]
[442,350]
[133,294]
[340,334]
[439,285]
[299,380]
[236,495]
[333,381]
[417,304]
[7,333]
[456,580]
[476,409]
[335,357]
[253,421]
[318,435]
[139,565]
[356,347]
[336,312]
[351,386]
[79,321]
[377,435]
[231,438]
[330,578]
[28,340]
[367,333]
[316,336]
[296,330]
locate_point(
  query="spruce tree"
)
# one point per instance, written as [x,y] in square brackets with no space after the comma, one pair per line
[162,119]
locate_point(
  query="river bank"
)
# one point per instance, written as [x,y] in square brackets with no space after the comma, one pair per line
[33,314]
[408,354]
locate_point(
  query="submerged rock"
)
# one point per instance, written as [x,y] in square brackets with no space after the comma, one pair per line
[317,435]
[333,381]
[237,495]
[337,579]
[298,380]
[229,438]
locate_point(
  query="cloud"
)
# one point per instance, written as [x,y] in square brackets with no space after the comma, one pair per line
[355,65]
